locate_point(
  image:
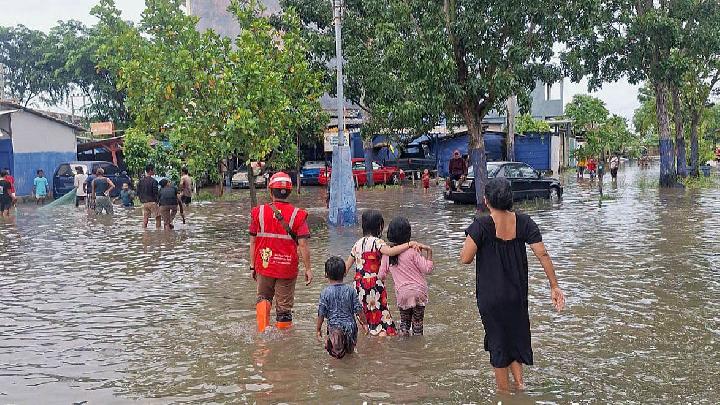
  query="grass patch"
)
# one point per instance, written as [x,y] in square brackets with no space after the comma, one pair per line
[699,183]
[645,183]
[210,196]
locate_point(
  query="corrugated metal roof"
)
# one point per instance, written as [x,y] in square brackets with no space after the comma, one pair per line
[19,107]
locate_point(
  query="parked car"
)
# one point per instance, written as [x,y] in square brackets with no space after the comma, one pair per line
[310,173]
[527,183]
[240,179]
[64,177]
[381,174]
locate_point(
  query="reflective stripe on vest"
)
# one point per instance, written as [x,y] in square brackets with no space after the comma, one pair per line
[263,234]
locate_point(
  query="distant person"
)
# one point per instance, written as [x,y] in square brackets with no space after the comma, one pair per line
[186,187]
[101,189]
[80,186]
[40,188]
[339,304]
[592,167]
[127,196]
[426,181]
[11,179]
[458,169]
[614,165]
[169,200]
[497,244]
[408,271]
[149,195]
[6,200]
[582,164]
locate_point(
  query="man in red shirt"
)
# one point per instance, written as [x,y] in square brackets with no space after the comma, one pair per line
[278,237]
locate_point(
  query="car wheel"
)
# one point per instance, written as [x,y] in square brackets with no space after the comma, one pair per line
[554,194]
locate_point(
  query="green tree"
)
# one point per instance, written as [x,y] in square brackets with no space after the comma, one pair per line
[425,60]
[526,123]
[30,66]
[210,98]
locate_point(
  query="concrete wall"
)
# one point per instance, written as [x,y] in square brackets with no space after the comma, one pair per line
[39,143]
[542,107]
[213,15]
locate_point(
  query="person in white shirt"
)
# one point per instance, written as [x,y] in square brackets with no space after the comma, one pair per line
[80,186]
[614,165]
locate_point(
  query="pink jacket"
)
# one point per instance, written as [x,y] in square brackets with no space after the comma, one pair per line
[411,288]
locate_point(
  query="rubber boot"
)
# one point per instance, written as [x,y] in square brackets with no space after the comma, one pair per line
[262,314]
[284,324]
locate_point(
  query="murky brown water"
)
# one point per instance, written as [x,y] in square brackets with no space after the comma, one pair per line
[103,312]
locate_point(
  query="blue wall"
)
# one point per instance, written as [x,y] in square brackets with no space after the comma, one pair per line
[494,148]
[533,149]
[27,164]
[6,153]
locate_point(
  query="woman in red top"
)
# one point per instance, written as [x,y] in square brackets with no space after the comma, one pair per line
[426,181]
[592,167]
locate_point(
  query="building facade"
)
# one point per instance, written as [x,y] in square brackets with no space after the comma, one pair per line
[31,140]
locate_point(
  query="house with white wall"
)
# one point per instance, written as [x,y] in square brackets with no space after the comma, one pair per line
[31,140]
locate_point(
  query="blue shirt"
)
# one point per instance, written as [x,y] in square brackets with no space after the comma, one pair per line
[338,304]
[126,197]
[41,185]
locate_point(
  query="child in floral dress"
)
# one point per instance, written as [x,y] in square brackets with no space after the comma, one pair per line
[366,255]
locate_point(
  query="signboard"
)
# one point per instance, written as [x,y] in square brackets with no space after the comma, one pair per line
[331,139]
[102,128]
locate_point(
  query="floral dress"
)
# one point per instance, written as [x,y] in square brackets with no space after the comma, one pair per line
[370,289]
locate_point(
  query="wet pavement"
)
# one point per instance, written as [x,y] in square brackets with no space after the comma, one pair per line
[104,312]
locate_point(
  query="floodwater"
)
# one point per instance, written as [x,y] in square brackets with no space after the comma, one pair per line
[101,311]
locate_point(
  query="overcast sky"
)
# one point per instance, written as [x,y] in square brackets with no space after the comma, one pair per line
[620,98]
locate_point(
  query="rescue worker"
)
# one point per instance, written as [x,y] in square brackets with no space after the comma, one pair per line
[278,238]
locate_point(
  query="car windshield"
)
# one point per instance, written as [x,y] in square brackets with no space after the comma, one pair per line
[492,169]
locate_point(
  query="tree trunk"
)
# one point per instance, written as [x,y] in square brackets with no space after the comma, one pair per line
[368,151]
[511,111]
[668,176]
[298,166]
[694,147]
[478,160]
[679,133]
[251,184]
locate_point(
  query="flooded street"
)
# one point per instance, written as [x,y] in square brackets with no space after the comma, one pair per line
[104,312]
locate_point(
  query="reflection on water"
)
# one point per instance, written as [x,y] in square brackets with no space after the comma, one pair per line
[102,311]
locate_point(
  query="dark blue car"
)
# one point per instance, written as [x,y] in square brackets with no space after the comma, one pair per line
[64,177]
[310,173]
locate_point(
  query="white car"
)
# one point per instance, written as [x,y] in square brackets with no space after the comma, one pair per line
[240,180]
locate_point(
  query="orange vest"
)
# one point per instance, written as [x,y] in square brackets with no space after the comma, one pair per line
[276,253]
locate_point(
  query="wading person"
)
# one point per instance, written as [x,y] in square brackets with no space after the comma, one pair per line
[186,187]
[168,201]
[40,188]
[497,243]
[80,186]
[148,193]
[9,177]
[339,304]
[101,189]
[458,169]
[278,235]
[614,165]
[6,199]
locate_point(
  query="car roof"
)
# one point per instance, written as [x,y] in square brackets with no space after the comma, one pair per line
[88,162]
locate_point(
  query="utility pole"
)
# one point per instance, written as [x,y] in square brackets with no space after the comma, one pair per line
[2,81]
[342,209]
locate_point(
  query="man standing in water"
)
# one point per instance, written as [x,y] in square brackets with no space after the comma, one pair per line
[185,187]
[148,192]
[101,189]
[278,234]
[80,187]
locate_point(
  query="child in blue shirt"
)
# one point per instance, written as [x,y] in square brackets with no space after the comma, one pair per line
[339,304]
[40,188]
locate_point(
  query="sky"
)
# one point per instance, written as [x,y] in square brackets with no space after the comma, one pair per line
[620,97]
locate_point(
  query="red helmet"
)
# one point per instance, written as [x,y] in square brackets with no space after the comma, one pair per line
[280,180]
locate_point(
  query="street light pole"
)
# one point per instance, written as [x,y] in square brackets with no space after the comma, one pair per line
[342,207]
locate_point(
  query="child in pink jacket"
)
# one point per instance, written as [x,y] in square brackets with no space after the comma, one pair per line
[408,270]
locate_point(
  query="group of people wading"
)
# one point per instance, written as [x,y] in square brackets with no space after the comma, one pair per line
[496,242]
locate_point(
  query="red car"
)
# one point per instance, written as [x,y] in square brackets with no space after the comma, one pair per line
[381,174]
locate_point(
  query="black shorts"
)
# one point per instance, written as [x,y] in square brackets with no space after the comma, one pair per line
[5,203]
[185,199]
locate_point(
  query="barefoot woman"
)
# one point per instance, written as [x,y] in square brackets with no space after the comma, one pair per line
[497,242]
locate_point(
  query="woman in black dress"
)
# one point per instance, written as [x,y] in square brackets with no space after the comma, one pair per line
[497,242]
